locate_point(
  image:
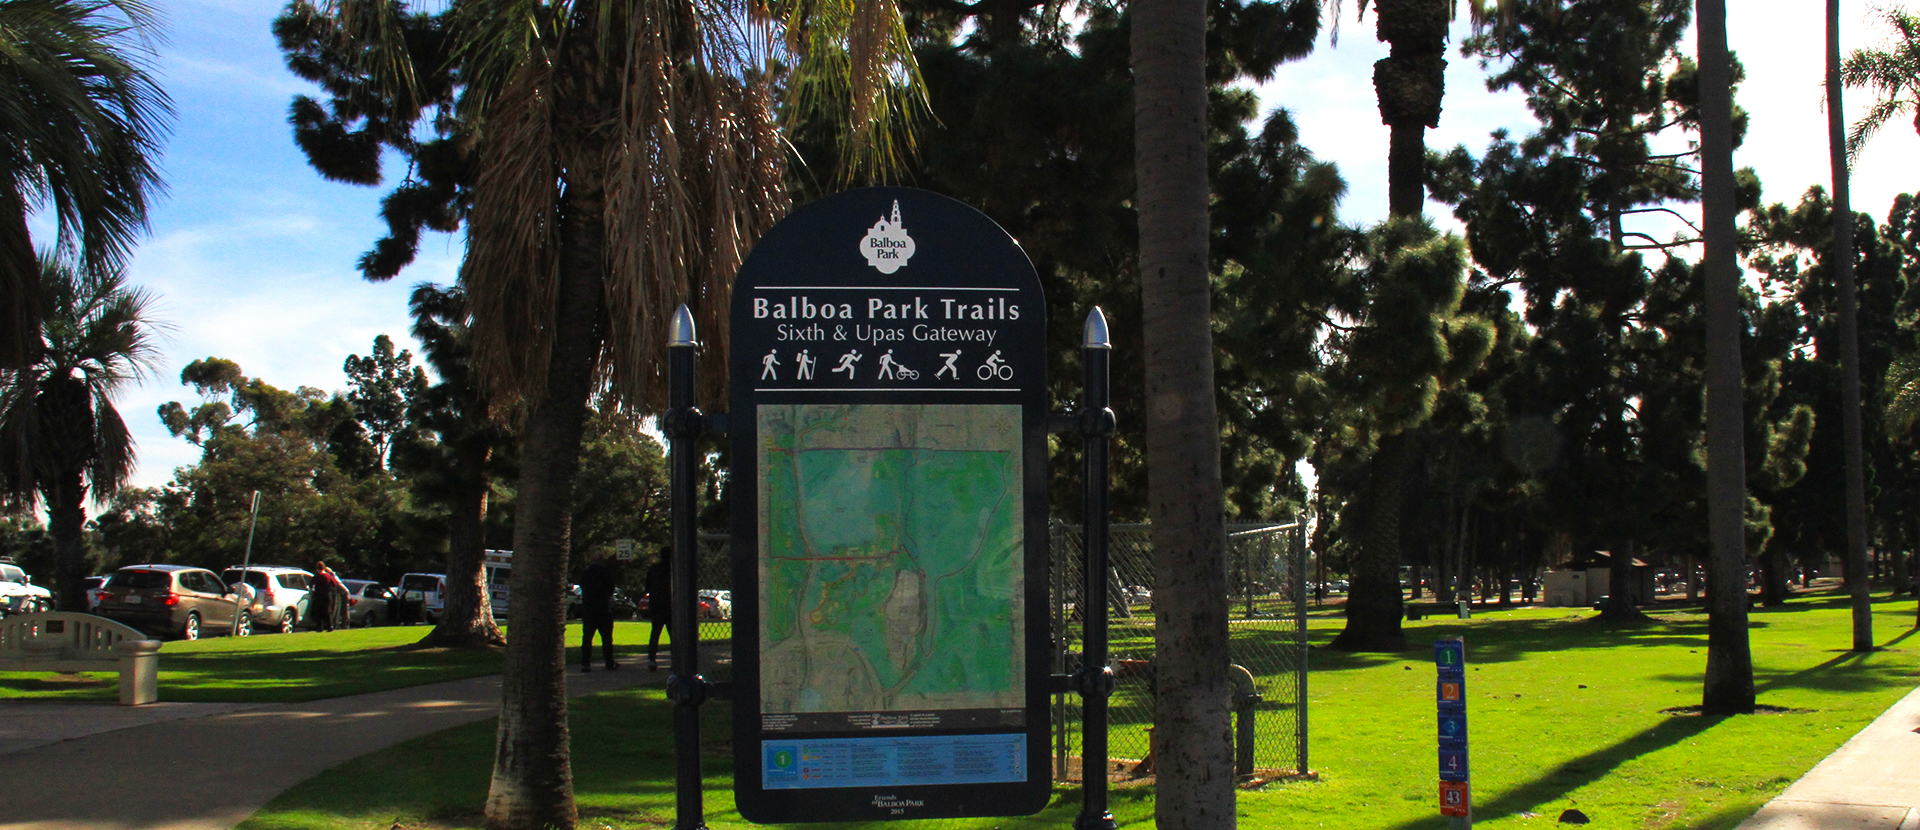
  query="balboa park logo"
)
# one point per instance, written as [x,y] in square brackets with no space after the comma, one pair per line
[894,803]
[887,246]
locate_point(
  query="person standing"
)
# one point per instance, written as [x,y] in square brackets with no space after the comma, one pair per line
[331,595]
[596,611]
[659,604]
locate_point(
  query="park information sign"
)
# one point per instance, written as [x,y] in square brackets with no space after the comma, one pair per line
[888,391]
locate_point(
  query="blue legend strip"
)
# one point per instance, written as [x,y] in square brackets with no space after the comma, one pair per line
[893,761]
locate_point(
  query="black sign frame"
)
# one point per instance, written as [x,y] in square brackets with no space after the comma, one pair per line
[943,308]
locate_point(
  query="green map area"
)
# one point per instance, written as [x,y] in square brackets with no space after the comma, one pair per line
[890,558]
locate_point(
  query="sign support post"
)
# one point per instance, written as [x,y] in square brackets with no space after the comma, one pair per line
[1095,680]
[685,687]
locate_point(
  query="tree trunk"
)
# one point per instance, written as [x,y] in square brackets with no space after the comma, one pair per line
[467,620]
[1194,756]
[532,786]
[1621,604]
[65,496]
[1374,605]
[1409,84]
[1728,687]
[20,310]
[1842,258]
[1774,576]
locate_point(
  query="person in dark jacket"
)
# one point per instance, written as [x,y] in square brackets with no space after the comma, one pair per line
[659,604]
[596,611]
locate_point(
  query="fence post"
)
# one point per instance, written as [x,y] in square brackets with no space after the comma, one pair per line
[1300,621]
[1096,680]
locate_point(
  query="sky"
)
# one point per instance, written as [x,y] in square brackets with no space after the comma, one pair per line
[251,254]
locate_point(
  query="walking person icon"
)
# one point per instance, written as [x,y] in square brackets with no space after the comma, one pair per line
[766,366]
[846,363]
[804,365]
[952,365]
[888,365]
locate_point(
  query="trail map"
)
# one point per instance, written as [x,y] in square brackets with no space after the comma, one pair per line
[891,559]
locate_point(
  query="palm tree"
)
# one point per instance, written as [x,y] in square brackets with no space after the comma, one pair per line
[60,436]
[1893,72]
[1849,345]
[1728,687]
[625,155]
[1193,758]
[80,125]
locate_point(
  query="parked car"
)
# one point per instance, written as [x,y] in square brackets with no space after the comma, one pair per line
[280,595]
[18,594]
[173,601]
[94,584]
[366,602]
[716,605]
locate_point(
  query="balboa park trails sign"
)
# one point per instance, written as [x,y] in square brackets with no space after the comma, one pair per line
[889,515]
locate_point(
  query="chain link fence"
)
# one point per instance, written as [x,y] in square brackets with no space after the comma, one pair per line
[1266,584]
[1267,590]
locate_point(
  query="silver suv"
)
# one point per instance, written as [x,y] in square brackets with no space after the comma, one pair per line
[279,594]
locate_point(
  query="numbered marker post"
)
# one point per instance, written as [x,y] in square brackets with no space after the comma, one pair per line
[1450,698]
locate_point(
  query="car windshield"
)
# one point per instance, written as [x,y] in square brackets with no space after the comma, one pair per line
[373,590]
[140,580]
[418,583]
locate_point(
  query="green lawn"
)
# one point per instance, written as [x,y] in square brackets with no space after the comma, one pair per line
[309,665]
[1565,713]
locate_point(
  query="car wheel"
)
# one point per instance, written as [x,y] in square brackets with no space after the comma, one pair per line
[243,626]
[289,621]
[191,630]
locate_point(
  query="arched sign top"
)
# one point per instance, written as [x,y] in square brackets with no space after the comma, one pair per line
[887,417]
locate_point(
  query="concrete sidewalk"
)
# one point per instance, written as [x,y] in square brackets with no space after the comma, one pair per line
[210,766]
[1870,783]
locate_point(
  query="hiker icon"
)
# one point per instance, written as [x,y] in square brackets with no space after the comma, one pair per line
[803,363]
[766,366]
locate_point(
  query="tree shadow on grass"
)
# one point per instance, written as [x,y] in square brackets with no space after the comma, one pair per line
[1571,775]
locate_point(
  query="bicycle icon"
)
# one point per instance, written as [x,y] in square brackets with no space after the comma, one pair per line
[995,367]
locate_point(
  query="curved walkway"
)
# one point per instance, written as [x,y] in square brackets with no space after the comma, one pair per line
[90,766]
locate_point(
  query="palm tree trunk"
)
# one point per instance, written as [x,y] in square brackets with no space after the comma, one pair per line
[66,520]
[19,284]
[1194,757]
[1728,687]
[467,621]
[1374,605]
[1410,83]
[1857,583]
[532,787]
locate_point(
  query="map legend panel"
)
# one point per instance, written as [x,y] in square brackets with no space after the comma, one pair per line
[864,762]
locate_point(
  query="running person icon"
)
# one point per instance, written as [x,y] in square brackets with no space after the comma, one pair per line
[952,364]
[995,367]
[766,366]
[846,363]
[804,362]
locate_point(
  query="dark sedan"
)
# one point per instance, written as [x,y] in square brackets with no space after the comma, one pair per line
[172,600]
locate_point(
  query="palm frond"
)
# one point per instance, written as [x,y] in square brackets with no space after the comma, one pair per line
[509,268]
